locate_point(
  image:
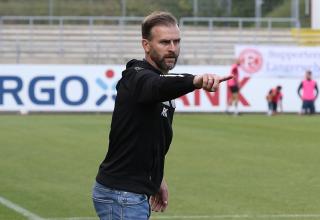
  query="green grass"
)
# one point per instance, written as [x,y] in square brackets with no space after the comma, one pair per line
[217,164]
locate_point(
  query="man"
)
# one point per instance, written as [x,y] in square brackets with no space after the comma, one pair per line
[309,93]
[131,175]
[233,87]
[274,97]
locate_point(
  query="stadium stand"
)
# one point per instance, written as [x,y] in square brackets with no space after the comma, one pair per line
[38,43]
[306,36]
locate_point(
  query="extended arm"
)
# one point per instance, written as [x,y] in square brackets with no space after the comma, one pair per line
[158,88]
[154,88]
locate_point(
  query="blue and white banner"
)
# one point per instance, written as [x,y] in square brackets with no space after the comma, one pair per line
[91,88]
[58,87]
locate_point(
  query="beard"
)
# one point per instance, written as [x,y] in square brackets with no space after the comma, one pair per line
[160,61]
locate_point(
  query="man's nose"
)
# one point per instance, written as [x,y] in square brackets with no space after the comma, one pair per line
[172,46]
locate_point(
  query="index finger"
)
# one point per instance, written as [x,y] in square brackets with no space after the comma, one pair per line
[225,78]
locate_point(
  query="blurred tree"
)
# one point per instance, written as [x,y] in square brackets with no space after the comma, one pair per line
[244,8]
[270,5]
[180,8]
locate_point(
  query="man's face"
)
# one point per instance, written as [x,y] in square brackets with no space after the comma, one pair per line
[308,75]
[164,47]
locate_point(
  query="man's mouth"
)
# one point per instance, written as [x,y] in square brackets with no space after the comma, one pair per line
[171,59]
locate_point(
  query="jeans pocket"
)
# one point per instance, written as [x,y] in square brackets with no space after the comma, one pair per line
[134,199]
[101,195]
[103,203]
[135,207]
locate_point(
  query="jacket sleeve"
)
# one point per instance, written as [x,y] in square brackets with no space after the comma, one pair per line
[150,87]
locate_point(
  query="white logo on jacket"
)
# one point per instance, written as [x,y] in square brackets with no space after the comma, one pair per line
[164,112]
[170,103]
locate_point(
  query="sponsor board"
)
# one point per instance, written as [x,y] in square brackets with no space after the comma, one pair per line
[92,88]
[278,61]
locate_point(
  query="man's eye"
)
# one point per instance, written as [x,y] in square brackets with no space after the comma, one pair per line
[165,42]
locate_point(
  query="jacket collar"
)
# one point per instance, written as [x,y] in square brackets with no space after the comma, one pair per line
[143,64]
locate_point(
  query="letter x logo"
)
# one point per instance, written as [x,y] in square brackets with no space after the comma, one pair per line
[104,87]
[164,112]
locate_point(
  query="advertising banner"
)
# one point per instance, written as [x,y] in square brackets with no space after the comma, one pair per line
[278,61]
[92,88]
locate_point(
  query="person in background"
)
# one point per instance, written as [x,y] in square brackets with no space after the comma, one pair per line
[233,87]
[309,93]
[269,101]
[274,99]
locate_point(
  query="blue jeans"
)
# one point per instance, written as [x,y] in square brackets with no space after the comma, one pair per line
[113,204]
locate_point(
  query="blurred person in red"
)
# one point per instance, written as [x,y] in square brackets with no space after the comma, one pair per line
[233,87]
[309,93]
[274,99]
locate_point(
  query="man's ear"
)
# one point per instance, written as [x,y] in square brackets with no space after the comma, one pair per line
[145,45]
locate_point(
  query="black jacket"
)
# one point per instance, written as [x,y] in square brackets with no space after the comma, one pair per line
[141,130]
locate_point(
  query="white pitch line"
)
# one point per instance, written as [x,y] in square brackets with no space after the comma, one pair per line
[19,209]
[261,216]
[270,216]
[290,216]
[200,217]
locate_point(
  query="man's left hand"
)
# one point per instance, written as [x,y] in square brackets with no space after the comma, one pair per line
[159,201]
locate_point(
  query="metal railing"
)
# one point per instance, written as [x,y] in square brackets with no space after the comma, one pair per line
[63,20]
[91,20]
[240,22]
